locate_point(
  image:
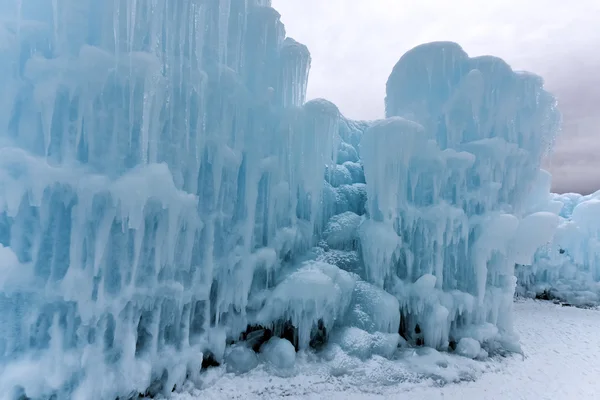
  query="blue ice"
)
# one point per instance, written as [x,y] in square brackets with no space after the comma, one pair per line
[166,189]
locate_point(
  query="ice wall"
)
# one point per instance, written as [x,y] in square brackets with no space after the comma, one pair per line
[568,267]
[165,190]
[155,156]
[449,177]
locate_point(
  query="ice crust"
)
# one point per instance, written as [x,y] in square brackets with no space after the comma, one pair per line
[165,187]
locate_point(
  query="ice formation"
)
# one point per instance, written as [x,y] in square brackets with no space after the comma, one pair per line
[568,267]
[166,190]
[449,177]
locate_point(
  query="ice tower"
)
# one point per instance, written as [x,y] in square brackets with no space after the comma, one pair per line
[166,190]
[449,175]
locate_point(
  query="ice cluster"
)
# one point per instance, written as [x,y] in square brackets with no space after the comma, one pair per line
[168,198]
[567,268]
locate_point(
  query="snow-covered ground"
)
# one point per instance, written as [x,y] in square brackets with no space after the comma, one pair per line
[561,347]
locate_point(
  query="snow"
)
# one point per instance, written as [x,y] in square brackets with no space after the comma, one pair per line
[560,344]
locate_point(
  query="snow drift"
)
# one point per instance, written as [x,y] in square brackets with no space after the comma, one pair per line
[165,191]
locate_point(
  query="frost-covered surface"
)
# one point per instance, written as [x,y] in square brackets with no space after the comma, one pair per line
[166,192]
[561,348]
[568,267]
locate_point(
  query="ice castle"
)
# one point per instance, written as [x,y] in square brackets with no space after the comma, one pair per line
[166,191]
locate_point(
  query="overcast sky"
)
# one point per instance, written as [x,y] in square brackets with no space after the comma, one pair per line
[355,44]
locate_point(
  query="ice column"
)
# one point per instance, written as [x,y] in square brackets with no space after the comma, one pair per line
[450,173]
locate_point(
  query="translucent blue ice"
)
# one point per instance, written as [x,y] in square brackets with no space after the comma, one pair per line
[165,189]
[568,267]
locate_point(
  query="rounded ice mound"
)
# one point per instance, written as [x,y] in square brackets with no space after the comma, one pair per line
[338,176]
[349,261]
[373,309]
[359,343]
[351,198]
[346,152]
[322,107]
[468,347]
[426,69]
[279,353]
[316,292]
[587,215]
[240,359]
[342,231]
[356,170]
[482,333]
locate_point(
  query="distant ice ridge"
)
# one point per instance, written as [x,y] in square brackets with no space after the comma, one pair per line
[568,267]
[166,191]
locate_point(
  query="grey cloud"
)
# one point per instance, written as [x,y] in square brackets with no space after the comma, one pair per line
[575,162]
